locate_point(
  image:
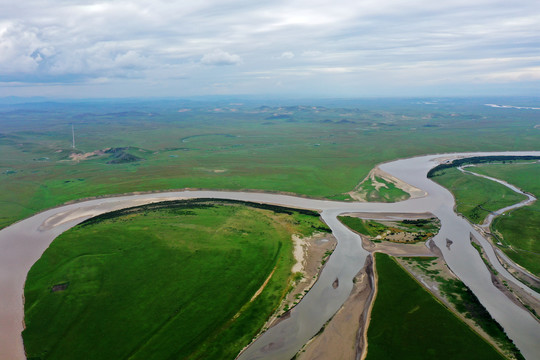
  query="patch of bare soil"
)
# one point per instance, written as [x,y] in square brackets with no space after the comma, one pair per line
[397,249]
[343,336]
[258,292]
[83,156]
[214,171]
[389,216]
[59,287]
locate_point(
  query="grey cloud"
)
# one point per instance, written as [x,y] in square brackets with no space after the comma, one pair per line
[370,41]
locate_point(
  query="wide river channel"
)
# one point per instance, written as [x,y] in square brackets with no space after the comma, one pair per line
[22,243]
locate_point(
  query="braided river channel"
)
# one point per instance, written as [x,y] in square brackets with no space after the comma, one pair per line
[22,244]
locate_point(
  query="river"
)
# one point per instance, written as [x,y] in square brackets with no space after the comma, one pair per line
[22,243]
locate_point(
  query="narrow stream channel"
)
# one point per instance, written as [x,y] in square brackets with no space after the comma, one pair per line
[489,219]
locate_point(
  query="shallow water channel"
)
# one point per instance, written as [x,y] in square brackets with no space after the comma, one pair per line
[489,219]
[22,243]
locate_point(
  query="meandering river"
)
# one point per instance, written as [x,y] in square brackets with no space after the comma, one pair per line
[22,243]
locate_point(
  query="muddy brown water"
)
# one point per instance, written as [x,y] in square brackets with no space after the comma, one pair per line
[22,243]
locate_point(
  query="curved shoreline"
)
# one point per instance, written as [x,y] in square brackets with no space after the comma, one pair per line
[22,243]
[485,227]
[486,224]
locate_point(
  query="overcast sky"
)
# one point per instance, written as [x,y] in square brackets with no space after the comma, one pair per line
[79,48]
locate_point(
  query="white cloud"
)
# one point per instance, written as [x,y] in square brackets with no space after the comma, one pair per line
[287,55]
[220,57]
[20,49]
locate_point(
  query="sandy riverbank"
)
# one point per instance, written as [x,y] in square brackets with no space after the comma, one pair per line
[344,336]
[516,294]
[311,254]
[375,173]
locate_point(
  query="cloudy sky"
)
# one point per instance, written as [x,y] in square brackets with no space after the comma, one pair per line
[79,48]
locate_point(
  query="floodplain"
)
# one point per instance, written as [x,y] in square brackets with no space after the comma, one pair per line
[321,148]
[426,329]
[516,233]
[185,279]
[322,151]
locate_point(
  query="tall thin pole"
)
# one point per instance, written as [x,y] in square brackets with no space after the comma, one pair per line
[73,134]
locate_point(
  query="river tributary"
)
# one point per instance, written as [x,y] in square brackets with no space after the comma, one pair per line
[22,243]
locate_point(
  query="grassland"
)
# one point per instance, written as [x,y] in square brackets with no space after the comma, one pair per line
[408,323]
[476,197]
[519,230]
[161,281]
[380,190]
[321,150]
[464,302]
[406,230]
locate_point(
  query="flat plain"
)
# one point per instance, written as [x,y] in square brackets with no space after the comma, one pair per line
[320,149]
[174,280]
[426,329]
[323,150]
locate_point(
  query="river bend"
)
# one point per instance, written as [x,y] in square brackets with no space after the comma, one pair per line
[22,243]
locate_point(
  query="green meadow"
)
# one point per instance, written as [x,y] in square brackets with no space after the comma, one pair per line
[319,149]
[407,322]
[466,303]
[172,280]
[476,197]
[518,230]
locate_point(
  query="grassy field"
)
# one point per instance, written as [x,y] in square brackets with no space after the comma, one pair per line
[420,229]
[161,281]
[476,197]
[465,302]
[408,323]
[519,230]
[323,149]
